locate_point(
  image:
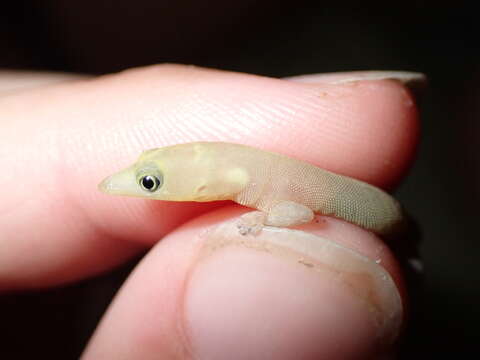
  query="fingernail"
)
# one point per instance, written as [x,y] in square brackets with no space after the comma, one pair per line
[287,294]
[415,81]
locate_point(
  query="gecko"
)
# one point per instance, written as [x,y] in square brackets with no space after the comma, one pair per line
[285,191]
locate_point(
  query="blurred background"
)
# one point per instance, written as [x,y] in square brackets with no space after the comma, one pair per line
[280,38]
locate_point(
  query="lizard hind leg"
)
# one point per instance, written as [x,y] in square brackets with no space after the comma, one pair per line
[289,213]
[283,214]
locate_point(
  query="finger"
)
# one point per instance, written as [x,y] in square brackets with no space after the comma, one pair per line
[59,142]
[215,294]
[14,81]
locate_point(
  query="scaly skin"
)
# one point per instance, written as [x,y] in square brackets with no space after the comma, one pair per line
[288,190]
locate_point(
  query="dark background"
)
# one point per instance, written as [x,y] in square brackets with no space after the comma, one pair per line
[280,38]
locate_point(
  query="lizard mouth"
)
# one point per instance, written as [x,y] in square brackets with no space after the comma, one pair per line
[121,183]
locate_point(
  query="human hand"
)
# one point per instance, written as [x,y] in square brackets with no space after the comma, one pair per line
[184,299]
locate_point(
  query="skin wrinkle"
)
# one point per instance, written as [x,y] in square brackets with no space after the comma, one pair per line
[273,117]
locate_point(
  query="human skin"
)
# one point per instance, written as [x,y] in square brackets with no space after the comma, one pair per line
[59,141]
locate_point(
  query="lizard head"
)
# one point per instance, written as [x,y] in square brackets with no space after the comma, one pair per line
[186,172]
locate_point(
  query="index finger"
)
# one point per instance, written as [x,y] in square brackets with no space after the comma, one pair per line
[59,142]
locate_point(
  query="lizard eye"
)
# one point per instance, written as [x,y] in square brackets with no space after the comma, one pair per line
[150,183]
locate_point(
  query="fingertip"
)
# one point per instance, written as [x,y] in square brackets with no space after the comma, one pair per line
[209,293]
[369,130]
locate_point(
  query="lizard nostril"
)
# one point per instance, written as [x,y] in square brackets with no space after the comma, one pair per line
[201,188]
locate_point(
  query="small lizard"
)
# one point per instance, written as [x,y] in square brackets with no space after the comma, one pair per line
[287,191]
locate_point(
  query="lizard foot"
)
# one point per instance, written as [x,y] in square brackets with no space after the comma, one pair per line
[251,223]
[289,213]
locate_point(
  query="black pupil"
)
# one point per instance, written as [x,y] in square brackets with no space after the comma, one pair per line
[149,182]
